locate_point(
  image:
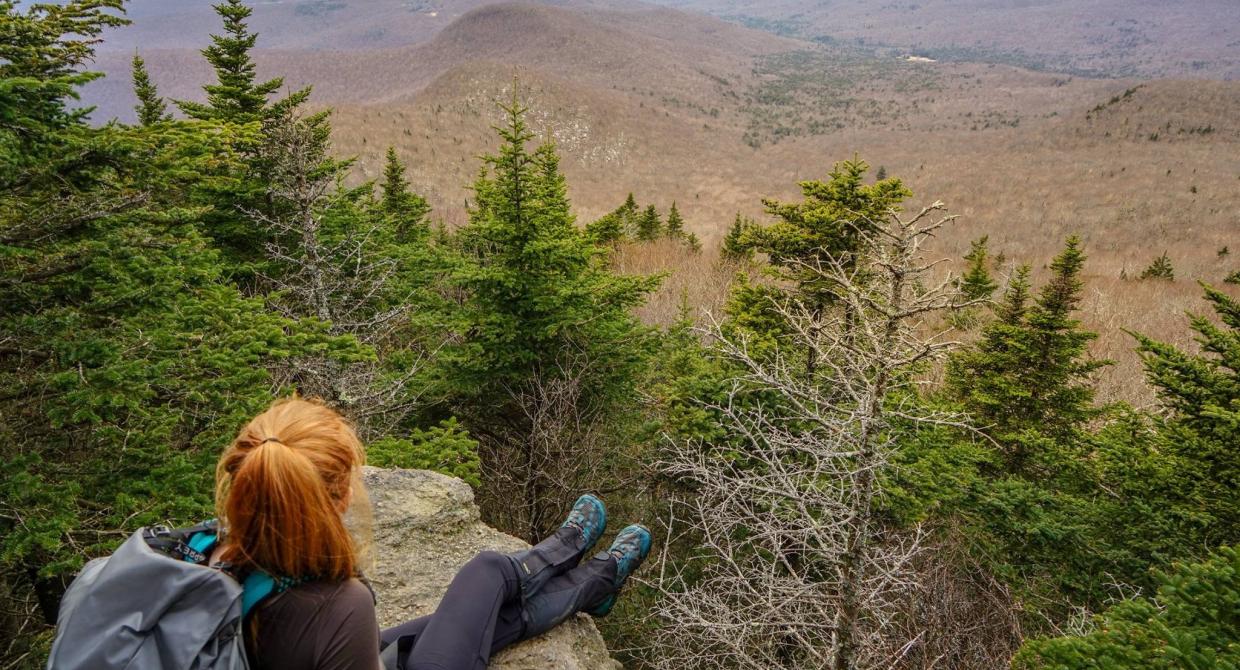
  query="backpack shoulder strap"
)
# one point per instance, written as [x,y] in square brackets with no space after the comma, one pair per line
[255,588]
[193,544]
[202,541]
[258,586]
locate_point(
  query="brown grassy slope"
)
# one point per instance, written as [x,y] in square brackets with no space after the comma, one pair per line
[1027,187]
[1146,38]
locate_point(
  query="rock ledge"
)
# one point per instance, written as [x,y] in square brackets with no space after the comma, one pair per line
[426,526]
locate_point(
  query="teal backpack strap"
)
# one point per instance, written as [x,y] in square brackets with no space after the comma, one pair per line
[258,585]
[202,543]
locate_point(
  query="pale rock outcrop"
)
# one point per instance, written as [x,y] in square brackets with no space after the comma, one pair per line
[426,526]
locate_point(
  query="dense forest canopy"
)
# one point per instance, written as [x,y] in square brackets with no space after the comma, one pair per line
[862,461]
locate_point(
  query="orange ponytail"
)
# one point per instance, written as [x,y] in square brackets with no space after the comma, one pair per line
[281,490]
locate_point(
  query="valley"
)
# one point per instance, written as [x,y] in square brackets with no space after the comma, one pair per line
[714,115]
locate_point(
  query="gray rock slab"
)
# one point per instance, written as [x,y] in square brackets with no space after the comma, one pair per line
[426,526]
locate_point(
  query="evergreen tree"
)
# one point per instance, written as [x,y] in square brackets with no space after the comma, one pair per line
[547,344]
[977,284]
[1029,376]
[824,227]
[1057,511]
[675,227]
[1191,622]
[825,224]
[151,108]
[241,106]
[649,225]
[407,209]
[629,208]
[1015,304]
[1202,391]
[237,97]
[608,229]
[40,67]
[1160,268]
[735,245]
[446,448]
[352,262]
[628,215]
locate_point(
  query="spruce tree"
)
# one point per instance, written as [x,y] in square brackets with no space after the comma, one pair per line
[627,216]
[40,65]
[977,284]
[1159,268]
[649,225]
[151,108]
[544,326]
[240,102]
[407,209]
[1055,506]
[629,208]
[735,245]
[826,226]
[1202,392]
[237,96]
[1030,375]
[675,227]
[608,229]
[1015,304]
[1190,622]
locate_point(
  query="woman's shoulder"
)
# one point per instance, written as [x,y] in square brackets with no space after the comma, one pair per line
[319,624]
[347,594]
[324,607]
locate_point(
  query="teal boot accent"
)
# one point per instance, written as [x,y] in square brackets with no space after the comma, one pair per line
[631,547]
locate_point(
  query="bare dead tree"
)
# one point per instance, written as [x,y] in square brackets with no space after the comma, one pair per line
[795,568]
[328,246]
[554,445]
[961,616]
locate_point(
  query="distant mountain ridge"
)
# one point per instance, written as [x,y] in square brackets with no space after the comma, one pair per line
[664,50]
[1124,38]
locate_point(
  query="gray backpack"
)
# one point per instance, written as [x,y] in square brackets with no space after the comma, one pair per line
[155,605]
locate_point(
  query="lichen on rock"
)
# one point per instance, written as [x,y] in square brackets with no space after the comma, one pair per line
[426,526]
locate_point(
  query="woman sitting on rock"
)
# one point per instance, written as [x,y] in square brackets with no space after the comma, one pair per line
[282,489]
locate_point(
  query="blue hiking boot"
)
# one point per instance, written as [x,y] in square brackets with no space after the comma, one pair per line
[589,517]
[631,547]
[562,551]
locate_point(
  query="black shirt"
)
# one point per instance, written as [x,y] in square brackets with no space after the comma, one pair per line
[316,626]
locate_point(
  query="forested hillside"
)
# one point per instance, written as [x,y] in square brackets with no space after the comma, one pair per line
[867,433]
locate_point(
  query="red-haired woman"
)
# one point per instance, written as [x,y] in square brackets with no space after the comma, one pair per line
[282,490]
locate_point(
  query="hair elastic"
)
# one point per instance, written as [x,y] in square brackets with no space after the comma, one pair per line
[270,439]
